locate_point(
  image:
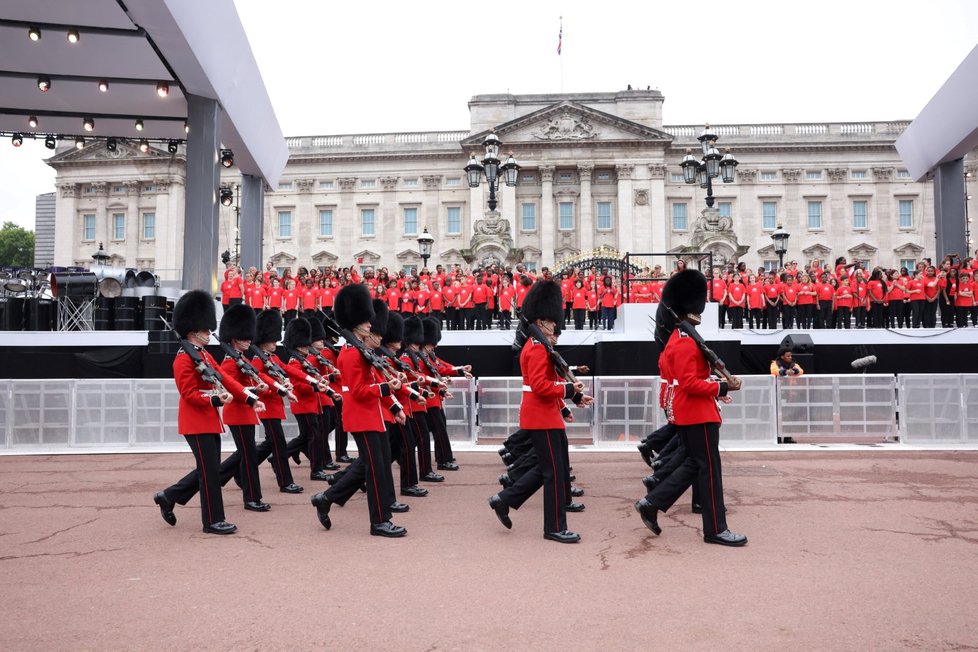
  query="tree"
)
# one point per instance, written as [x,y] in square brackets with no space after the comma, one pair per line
[16,246]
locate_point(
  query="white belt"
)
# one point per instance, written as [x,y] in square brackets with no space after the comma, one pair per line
[527,388]
[345,388]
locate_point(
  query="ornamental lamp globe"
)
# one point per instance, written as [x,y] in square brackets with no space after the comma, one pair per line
[728,167]
[511,171]
[712,160]
[707,139]
[689,165]
[474,172]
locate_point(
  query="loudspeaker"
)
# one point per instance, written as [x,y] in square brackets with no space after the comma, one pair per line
[798,343]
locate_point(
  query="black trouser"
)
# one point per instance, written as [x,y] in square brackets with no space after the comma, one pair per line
[824,317]
[608,317]
[755,318]
[403,444]
[787,316]
[961,314]
[843,317]
[451,315]
[243,462]
[658,439]
[505,319]
[551,473]
[373,468]
[235,301]
[592,319]
[930,314]
[721,314]
[860,314]
[702,466]
[468,318]
[289,316]
[772,315]
[579,314]
[806,315]
[274,446]
[437,316]
[327,421]
[419,422]
[205,479]
[736,316]
[480,317]
[339,433]
[568,307]
[438,426]
[947,312]
[877,315]
[308,432]
[916,312]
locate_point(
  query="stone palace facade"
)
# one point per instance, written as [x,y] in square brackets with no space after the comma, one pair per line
[598,170]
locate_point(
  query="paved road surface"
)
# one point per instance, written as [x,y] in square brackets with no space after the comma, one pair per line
[867,550]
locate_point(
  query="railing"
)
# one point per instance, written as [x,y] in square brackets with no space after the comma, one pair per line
[914,409]
[360,140]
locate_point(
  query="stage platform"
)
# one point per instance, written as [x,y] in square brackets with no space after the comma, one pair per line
[628,350]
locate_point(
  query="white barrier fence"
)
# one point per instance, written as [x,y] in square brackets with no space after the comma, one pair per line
[916,409]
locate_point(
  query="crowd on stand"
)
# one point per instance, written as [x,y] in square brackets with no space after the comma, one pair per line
[845,295]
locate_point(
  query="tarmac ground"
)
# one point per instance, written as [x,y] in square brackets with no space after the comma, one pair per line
[849,550]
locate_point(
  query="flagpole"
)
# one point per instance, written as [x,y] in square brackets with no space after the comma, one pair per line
[560,45]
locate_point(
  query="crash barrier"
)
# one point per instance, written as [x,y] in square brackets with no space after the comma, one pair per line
[913,409]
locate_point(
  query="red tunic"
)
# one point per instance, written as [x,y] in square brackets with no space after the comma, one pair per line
[696,390]
[237,412]
[362,392]
[543,390]
[196,414]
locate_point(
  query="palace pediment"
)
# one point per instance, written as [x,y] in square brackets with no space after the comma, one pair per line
[570,123]
[96,151]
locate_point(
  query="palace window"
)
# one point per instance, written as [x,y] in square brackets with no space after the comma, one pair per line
[118,226]
[858,174]
[325,185]
[529,217]
[859,218]
[679,220]
[604,220]
[906,213]
[285,185]
[453,182]
[368,183]
[411,221]
[769,176]
[326,223]
[367,226]
[565,220]
[410,183]
[285,224]
[813,175]
[149,226]
[677,178]
[815,215]
[88,227]
[908,264]
[725,208]
[453,217]
[903,174]
[769,215]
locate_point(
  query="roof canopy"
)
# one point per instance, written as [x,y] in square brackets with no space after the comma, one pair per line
[190,46]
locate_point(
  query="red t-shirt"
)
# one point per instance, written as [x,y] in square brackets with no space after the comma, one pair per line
[825,291]
[309,297]
[843,297]
[736,295]
[805,299]
[719,287]
[755,296]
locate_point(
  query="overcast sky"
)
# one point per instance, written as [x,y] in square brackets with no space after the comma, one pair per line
[340,68]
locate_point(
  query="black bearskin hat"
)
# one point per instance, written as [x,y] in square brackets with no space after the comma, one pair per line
[237,323]
[378,323]
[431,331]
[194,311]
[395,328]
[352,306]
[544,301]
[268,327]
[317,332]
[685,292]
[413,330]
[298,333]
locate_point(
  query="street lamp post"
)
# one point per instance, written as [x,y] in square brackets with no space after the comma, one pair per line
[425,241]
[780,238]
[712,165]
[492,169]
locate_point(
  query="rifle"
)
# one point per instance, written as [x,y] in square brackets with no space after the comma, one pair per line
[276,372]
[404,368]
[207,373]
[716,364]
[372,358]
[312,374]
[563,369]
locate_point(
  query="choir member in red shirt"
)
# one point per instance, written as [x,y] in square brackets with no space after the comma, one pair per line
[719,289]
[579,304]
[843,304]
[735,298]
[807,297]
[789,300]
[755,303]
[507,300]
[436,301]
[232,289]
[610,300]
[772,299]
[964,300]
[290,301]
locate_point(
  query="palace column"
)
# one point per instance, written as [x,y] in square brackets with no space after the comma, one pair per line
[133,235]
[658,228]
[548,223]
[584,171]
[625,212]
[68,225]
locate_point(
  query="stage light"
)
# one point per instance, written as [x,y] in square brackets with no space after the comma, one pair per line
[227,196]
[88,124]
[44,84]
[138,125]
[73,36]
[172,146]
[143,145]
[50,142]
[186,127]
[103,85]
[162,89]
[111,144]
[16,140]
[79,142]
[34,33]
[227,158]
[32,122]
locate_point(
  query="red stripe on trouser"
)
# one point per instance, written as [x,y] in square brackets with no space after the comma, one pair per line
[278,458]
[373,475]
[557,487]
[247,474]
[203,474]
[709,459]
